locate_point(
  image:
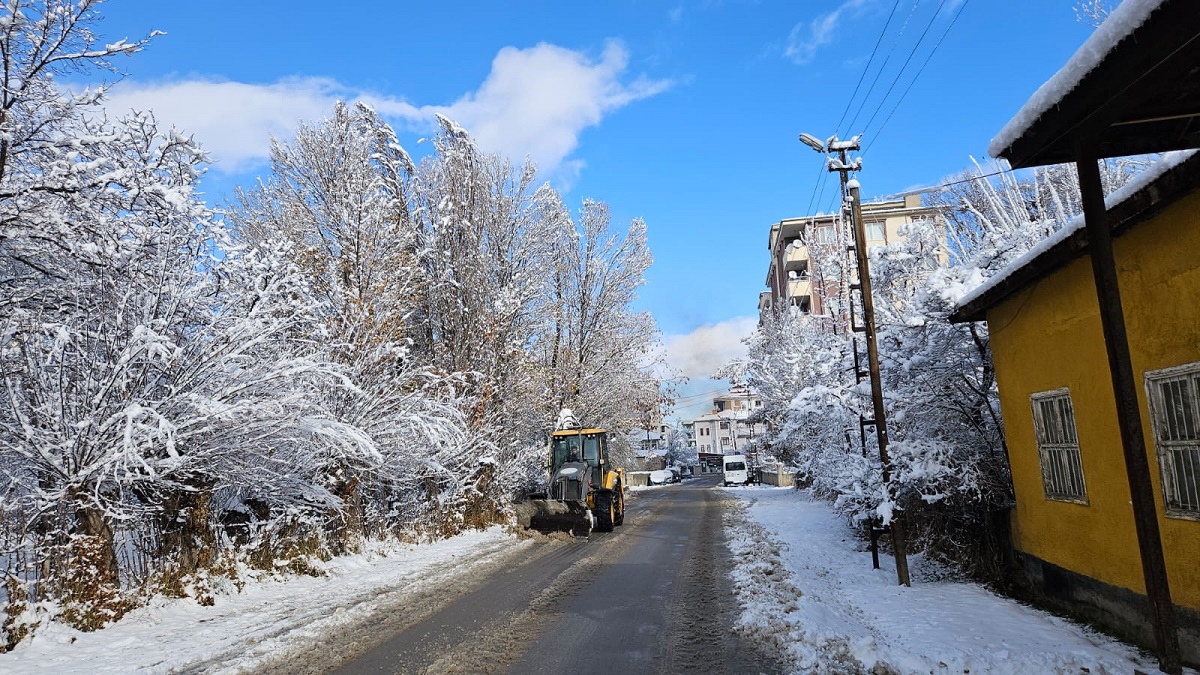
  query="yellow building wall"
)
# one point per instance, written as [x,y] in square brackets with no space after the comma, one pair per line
[1047,337]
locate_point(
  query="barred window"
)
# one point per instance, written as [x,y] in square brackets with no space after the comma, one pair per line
[1175,411]
[1058,446]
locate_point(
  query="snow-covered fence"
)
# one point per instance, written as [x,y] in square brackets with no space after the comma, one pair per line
[778,476]
[637,478]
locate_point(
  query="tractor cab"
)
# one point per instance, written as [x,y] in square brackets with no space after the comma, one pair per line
[576,458]
[578,445]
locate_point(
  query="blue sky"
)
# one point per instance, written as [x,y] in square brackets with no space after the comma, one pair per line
[685,114]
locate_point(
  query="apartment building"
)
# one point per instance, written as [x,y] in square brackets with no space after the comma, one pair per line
[727,430]
[796,275]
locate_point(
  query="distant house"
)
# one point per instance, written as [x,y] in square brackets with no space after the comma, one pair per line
[649,449]
[689,433]
[1096,339]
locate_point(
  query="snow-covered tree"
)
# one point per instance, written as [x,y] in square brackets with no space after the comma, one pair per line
[489,235]
[339,193]
[598,352]
[147,361]
[949,470]
[365,350]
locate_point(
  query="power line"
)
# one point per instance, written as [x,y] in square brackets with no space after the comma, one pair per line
[912,10]
[700,395]
[817,183]
[920,70]
[900,73]
[967,180]
[820,182]
[866,68]
[822,175]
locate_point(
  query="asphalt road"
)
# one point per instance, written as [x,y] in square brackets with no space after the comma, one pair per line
[651,597]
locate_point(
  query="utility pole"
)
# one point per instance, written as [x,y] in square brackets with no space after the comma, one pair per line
[851,188]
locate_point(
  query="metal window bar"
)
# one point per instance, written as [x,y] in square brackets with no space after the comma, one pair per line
[1058,447]
[1177,430]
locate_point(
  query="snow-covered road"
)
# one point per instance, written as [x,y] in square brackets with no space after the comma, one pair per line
[808,590]
[268,620]
[806,586]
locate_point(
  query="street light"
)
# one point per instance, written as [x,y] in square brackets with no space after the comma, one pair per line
[812,142]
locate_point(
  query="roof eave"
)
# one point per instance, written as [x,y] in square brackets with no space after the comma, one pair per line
[1098,118]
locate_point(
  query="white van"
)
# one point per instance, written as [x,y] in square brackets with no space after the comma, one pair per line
[735,470]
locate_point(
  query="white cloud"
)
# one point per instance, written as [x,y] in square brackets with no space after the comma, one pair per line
[535,102]
[807,38]
[538,101]
[232,120]
[697,355]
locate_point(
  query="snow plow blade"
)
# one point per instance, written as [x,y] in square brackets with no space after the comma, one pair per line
[550,515]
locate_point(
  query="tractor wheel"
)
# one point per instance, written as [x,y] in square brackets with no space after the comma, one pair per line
[620,519]
[606,509]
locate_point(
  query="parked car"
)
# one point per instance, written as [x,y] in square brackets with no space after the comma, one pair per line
[660,477]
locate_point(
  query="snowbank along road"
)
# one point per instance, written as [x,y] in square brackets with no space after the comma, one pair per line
[651,597]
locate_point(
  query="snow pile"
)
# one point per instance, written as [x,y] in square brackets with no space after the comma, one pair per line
[808,592]
[267,620]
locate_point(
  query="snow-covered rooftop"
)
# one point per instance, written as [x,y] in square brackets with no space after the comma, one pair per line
[1125,19]
[1169,161]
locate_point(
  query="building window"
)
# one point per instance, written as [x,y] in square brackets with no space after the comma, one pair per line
[1058,446]
[724,425]
[1175,410]
[824,234]
[874,231]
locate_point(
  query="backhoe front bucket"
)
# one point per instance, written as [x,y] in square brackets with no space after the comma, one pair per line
[551,515]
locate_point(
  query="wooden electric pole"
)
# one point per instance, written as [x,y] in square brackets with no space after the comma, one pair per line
[850,187]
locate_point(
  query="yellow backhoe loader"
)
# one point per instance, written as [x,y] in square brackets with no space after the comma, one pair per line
[586,491]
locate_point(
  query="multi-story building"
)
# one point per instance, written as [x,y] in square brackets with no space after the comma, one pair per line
[799,246]
[689,433]
[727,430]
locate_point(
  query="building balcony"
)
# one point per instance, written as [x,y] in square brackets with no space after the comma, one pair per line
[795,258]
[799,288]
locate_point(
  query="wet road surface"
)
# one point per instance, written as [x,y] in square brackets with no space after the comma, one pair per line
[651,597]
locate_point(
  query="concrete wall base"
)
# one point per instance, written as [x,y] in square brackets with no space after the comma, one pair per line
[1119,611]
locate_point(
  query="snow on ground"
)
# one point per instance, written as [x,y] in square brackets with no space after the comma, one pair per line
[262,622]
[808,592]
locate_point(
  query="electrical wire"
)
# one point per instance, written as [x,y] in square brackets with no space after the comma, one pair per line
[823,174]
[699,396]
[981,176]
[900,73]
[870,60]
[912,10]
[818,187]
[928,57]
[817,183]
